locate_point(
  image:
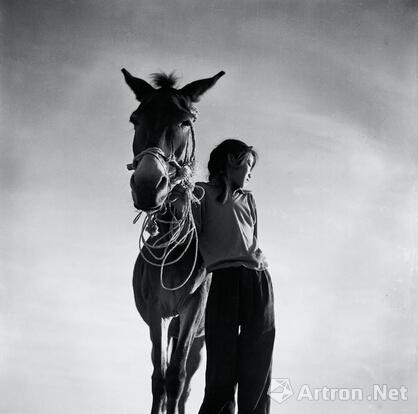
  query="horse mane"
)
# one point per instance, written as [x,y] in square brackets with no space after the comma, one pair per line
[164,80]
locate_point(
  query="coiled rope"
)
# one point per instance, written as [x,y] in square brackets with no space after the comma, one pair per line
[181,231]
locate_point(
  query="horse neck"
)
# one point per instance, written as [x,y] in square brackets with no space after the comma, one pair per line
[165,227]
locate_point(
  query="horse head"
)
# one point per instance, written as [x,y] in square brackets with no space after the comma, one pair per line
[163,144]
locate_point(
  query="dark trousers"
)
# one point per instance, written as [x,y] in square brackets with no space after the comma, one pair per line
[239,334]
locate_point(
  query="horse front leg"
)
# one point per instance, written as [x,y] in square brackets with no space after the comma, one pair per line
[158,332]
[190,319]
[194,360]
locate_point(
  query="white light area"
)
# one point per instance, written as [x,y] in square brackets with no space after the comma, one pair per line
[325,92]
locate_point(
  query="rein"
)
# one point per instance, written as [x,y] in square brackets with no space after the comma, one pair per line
[181,231]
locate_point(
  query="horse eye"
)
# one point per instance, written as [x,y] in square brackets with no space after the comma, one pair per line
[185,124]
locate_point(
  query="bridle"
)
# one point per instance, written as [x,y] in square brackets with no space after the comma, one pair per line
[181,231]
[177,173]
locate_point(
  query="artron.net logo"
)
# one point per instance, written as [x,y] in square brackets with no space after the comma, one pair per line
[281,390]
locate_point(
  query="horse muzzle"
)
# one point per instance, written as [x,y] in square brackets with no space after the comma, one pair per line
[149,192]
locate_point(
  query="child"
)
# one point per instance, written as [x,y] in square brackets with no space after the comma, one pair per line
[239,321]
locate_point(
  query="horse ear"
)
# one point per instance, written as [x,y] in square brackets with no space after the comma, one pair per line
[140,88]
[197,88]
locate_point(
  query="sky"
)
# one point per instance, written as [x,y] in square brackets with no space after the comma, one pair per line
[326,91]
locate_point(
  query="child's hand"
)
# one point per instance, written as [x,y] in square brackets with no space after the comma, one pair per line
[177,200]
[261,257]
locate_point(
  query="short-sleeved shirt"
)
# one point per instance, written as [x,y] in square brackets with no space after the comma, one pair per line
[228,232]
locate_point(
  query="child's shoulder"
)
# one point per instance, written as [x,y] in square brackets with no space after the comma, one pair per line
[208,187]
[213,186]
[202,184]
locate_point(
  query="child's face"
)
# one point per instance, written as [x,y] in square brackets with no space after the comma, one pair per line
[240,174]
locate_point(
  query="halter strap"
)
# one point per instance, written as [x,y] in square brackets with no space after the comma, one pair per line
[155,152]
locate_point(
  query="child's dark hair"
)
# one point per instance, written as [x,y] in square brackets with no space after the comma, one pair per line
[218,162]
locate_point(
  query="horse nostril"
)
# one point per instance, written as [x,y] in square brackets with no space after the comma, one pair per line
[162,183]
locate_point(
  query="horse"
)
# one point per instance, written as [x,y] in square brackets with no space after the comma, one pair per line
[164,151]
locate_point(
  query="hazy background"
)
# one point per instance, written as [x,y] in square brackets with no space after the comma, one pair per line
[327,93]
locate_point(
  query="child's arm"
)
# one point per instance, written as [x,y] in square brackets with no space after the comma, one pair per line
[258,252]
[256,225]
[254,214]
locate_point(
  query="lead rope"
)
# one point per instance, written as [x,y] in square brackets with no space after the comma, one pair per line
[185,225]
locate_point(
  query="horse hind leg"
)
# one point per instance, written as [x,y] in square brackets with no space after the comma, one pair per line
[158,333]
